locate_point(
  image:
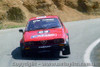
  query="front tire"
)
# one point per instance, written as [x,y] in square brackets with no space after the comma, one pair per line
[66,50]
[56,54]
[23,52]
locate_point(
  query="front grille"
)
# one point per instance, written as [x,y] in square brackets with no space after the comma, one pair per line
[47,42]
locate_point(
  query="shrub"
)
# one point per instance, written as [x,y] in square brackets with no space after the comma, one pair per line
[59,3]
[15,14]
[89,6]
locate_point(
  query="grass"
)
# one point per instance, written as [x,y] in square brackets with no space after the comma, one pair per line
[16,26]
[8,25]
[1,26]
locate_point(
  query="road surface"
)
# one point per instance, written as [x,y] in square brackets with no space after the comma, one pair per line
[82,34]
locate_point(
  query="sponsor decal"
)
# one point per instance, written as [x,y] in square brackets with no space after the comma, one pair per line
[47,31]
[41,17]
[34,36]
[44,46]
[52,19]
[36,21]
[43,35]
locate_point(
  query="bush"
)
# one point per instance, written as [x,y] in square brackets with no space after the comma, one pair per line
[59,3]
[89,6]
[2,16]
[82,6]
[15,14]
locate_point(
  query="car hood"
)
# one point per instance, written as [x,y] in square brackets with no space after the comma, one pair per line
[44,34]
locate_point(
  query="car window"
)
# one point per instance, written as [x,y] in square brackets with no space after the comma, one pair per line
[43,24]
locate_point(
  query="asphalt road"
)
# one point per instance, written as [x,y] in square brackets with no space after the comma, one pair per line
[82,34]
[95,55]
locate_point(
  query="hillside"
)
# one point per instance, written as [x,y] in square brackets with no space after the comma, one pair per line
[15,13]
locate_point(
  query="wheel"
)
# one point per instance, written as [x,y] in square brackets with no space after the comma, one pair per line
[23,52]
[66,49]
[56,54]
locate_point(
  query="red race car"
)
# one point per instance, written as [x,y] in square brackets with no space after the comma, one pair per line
[45,34]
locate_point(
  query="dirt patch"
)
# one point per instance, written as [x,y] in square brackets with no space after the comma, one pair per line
[39,7]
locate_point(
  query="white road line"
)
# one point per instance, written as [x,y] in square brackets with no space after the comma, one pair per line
[89,50]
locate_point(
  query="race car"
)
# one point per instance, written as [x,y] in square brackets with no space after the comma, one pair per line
[45,34]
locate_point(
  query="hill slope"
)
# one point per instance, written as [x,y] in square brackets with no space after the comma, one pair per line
[15,13]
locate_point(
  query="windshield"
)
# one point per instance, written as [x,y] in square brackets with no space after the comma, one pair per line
[43,24]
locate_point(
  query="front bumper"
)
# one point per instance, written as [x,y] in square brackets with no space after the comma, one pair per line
[41,49]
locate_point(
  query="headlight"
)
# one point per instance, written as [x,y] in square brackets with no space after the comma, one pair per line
[29,43]
[57,41]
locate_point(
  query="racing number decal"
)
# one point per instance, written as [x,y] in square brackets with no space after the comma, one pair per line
[46,31]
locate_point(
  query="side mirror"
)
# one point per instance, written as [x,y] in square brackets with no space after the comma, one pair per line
[21,30]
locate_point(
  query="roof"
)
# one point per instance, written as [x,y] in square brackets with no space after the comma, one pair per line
[42,17]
